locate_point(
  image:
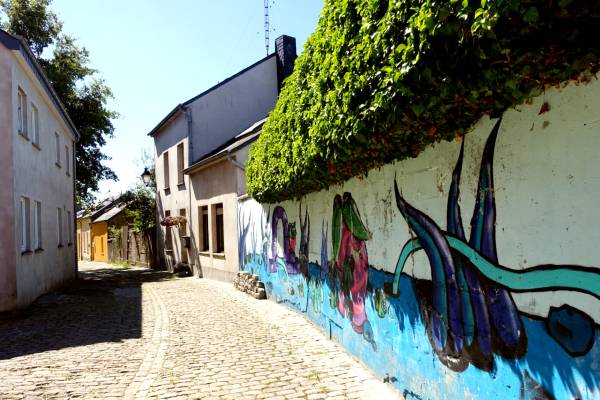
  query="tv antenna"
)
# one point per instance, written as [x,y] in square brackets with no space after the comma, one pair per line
[267,25]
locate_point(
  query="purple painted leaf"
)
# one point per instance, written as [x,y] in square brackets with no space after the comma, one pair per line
[501,308]
[446,301]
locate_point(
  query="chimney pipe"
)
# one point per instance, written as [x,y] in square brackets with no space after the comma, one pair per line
[285,47]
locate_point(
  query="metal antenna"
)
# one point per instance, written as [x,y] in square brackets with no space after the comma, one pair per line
[267,25]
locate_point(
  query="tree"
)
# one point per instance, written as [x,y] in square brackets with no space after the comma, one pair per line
[81,92]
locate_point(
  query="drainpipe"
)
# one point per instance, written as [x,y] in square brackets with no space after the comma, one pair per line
[235,162]
[188,117]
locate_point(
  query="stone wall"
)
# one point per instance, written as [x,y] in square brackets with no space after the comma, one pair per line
[470,271]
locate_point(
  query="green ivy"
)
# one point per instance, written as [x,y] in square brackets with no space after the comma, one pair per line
[380,80]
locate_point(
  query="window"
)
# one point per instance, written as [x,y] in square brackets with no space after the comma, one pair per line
[204,228]
[168,237]
[180,164]
[37,225]
[59,226]
[57,140]
[219,235]
[21,112]
[67,160]
[25,229]
[166,169]
[35,126]
[69,228]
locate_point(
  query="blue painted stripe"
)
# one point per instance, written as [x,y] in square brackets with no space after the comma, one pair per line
[562,277]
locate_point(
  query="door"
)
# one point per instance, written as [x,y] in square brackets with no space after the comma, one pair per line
[100,241]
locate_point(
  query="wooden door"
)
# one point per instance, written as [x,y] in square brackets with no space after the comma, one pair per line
[100,241]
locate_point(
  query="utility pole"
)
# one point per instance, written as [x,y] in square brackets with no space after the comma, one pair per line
[267,25]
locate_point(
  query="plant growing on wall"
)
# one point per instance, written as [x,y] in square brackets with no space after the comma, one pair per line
[380,80]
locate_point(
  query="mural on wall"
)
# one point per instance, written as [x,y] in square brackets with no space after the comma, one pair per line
[466,310]
[472,313]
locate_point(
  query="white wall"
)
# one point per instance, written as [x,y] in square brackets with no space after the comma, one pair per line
[217,116]
[38,178]
[546,187]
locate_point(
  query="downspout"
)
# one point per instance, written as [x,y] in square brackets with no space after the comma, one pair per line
[235,162]
[188,117]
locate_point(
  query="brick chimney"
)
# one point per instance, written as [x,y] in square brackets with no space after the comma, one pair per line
[285,48]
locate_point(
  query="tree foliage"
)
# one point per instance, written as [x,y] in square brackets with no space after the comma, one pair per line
[380,80]
[82,93]
[140,207]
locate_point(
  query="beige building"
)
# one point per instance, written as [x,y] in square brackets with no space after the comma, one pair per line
[199,150]
[37,174]
[84,237]
[219,181]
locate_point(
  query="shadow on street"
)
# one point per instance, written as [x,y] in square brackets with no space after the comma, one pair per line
[103,305]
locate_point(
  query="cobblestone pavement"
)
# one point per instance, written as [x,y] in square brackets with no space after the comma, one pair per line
[137,334]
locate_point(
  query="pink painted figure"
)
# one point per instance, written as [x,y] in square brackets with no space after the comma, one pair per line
[353,255]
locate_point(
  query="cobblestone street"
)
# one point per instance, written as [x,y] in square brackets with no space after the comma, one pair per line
[136,333]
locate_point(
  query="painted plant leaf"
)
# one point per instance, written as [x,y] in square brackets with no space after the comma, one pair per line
[472,297]
[501,308]
[336,226]
[454,223]
[446,304]
[352,218]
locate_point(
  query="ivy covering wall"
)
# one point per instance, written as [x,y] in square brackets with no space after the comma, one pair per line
[381,80]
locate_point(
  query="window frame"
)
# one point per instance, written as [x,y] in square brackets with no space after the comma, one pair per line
[67,160]
[35,126]
[180,164]
[204,221]
[57,140]
[25,221]
[22,113]
[219,228]
[37,225]
[166,180]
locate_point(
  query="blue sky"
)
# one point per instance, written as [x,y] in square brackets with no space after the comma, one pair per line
[156,54]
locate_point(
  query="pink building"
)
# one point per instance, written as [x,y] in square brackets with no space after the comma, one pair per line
[37,177]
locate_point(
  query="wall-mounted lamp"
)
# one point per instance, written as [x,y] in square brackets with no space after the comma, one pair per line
[147,177]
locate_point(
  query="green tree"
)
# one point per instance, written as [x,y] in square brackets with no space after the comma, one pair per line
[82,93]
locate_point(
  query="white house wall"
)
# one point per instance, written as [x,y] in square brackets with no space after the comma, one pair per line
[546,187]
[38,178]
[8,290]
[228,110]
[218,116]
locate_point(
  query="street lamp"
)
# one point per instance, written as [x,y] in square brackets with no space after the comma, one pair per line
[147,177]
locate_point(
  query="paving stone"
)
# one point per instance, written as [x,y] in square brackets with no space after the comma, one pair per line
[139,334]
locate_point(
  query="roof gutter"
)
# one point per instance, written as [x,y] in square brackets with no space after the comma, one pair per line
[16,42]
[167,119]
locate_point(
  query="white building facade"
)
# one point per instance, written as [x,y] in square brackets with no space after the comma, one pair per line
[194,131]
[37,177]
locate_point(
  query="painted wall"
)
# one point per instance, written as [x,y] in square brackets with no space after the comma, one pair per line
[474,266]
[8,288]
[37,177]
[174,198]
[217,183]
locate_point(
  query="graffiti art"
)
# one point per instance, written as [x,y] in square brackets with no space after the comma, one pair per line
[468,304]
[464,316]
